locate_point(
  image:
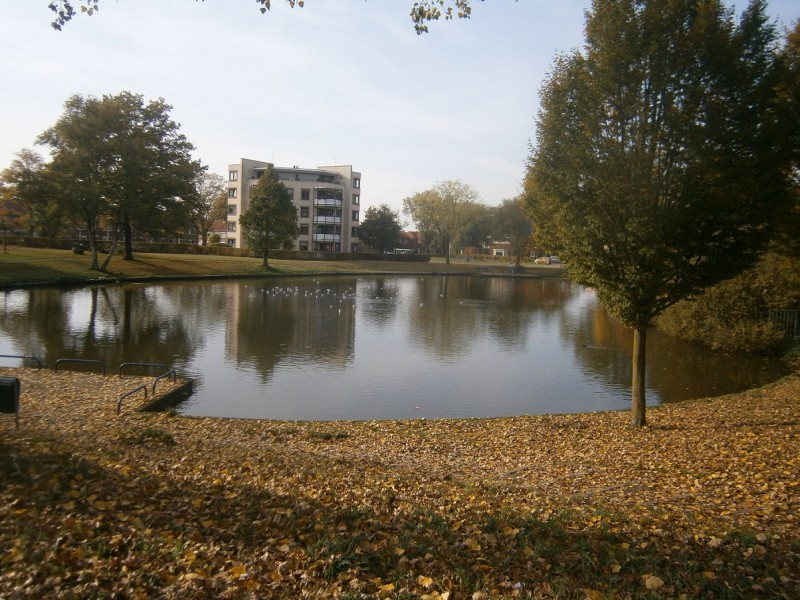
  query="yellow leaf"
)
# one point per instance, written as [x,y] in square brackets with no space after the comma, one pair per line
[399,551]
[616,568]
[238,570]
[652,582]
[198,502]
[593,594]
[207,523]
[387,588]
[709,575]
[472,544]
[425,581]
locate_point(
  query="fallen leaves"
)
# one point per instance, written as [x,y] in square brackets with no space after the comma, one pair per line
[703,502]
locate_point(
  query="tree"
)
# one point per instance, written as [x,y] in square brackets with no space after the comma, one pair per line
[442,210]
[126,159]
[28,187]
[211,203]
[271,219]
[512,223]
[658,170]
[422,12]
[380,229]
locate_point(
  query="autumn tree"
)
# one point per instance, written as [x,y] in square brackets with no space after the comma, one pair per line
[380,228]
[442,210]
[422,11]
[271,220]
[211,203]
[658,168]
[513,224]
[124,159]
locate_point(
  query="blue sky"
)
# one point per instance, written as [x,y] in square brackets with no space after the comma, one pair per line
[336,82]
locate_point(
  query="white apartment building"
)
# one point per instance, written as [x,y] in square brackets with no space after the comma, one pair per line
[328,201]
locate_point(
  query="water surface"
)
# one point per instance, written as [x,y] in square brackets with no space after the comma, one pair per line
[370,347]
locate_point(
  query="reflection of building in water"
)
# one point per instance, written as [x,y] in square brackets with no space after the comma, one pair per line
[328,201]
[267,324]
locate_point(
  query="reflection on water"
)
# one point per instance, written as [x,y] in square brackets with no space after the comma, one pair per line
[370,347]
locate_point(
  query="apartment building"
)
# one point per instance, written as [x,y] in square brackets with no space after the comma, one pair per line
[328,201]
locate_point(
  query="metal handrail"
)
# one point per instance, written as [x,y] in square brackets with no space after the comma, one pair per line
[33,358]
[80,360]
[171,372]
[137,364]
[131,393]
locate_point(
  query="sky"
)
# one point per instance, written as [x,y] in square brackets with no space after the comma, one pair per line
[335,82]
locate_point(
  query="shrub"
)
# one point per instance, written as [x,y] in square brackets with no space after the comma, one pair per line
[733,315]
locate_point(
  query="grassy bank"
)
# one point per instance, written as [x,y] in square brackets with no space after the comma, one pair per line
[28,266]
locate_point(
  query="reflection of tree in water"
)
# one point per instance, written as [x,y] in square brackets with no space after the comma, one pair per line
[276,322]
[378,298]
[675,370]
[450,313]
[114,324]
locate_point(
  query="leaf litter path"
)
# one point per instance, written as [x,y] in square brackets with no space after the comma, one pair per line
[704,502]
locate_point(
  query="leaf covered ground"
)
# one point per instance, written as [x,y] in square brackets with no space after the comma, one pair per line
[702,503]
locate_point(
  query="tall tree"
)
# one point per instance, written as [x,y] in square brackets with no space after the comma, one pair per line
[657,169]
[130,157]
[512,223]
[442,210]
[28,187]
[271,220]
[422,11]
[380,228]
[211,203]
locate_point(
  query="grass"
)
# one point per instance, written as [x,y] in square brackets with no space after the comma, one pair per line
[30,266]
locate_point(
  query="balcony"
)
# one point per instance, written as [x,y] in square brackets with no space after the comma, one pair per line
[321,220]
[327,237]
[334,202]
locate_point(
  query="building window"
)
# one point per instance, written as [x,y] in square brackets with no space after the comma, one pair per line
[353,247]
[354,232]
[355,215]
[231,209]
[231,192]
[304,246]
[233,175]
[231,226]
[291,193]
[305,194]
[232,243]
[304,229]
[304,211]
[356,199]
[356,183]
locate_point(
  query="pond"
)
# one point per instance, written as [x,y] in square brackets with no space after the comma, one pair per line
[361,348]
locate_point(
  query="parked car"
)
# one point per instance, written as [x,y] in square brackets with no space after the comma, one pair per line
[542,260]
[554,260]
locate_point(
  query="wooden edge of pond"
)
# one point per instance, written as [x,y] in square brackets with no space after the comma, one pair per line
[171,398]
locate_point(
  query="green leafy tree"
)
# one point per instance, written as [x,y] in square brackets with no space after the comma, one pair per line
[422,11]
[126,159]
[443,210]
[271,220]
[380,229]
[513,224]
[477,228]
[211,203]
[658,168]
[28,187]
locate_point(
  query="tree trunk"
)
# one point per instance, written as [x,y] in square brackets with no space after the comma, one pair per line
[128,241]
[638,403]
[265,262]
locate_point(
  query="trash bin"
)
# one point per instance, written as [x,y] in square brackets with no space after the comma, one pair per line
[9,397]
